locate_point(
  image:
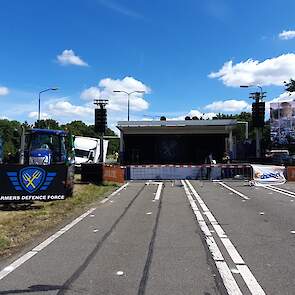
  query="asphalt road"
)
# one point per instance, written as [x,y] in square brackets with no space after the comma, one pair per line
[186,237]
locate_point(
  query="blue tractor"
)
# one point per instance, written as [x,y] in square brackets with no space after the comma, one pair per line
[45,171]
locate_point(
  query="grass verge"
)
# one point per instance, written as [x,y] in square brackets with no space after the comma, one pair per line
[18,227]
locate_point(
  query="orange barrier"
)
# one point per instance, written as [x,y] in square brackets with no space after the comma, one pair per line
[113,173]
[291,173]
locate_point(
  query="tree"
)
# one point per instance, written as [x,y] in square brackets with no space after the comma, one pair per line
[47,124]
[79,128]
[10,132]
[290,86]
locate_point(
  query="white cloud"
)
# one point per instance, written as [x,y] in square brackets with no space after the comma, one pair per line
[231,105]
[286,96]
[65,108]
[34,115]
[273,71]
[118,101]
[91,93]
[3,90]
[194,113]
[68,57]
[287,35]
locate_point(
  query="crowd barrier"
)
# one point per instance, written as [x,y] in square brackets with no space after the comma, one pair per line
[97,173]
[210,172]
[114,173]
[291,173]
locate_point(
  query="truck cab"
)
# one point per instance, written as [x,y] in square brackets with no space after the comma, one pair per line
[87,150]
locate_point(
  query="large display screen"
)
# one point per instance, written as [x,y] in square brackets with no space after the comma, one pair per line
[282,123]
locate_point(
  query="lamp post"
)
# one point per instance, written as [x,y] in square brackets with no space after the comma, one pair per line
[258,86]
[39,102]
[128,94]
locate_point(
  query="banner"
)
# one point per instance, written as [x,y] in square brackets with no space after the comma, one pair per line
[282,123]
[267,174]
[21,183]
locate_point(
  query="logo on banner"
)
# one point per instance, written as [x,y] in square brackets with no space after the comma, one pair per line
[268,174]
[31,179]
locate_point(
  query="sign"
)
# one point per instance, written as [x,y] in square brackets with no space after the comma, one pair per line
[267,174]
[20,183]
[282,123]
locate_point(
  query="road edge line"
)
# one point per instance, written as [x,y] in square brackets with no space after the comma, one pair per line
[114,193]
[21,260]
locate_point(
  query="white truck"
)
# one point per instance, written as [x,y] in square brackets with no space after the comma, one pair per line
[87,150]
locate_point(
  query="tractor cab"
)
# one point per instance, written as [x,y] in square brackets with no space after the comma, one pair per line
[47,147]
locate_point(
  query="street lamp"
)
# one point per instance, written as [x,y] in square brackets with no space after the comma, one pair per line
[258,86]
[39,104]
[128,94]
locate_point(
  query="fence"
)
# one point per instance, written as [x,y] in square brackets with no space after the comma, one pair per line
[146,172]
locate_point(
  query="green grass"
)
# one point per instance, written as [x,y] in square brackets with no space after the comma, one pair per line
[20,227]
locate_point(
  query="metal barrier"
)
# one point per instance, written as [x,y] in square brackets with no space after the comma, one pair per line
[202,172]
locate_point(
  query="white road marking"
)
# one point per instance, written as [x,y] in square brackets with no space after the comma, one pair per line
[14,265]
[279,190]
[114,193]
[223,269]
[10,268]
[230,248]
[229,282]
[234,270]
[250,280]
[159,189]
[234,191]
[232,251]
[158,193]
[283,190]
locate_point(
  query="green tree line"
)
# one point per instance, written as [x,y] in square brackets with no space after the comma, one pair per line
[10,132]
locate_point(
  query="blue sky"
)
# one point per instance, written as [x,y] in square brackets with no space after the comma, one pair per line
[167,48]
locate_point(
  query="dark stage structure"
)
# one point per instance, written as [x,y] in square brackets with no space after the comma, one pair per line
[175,142]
